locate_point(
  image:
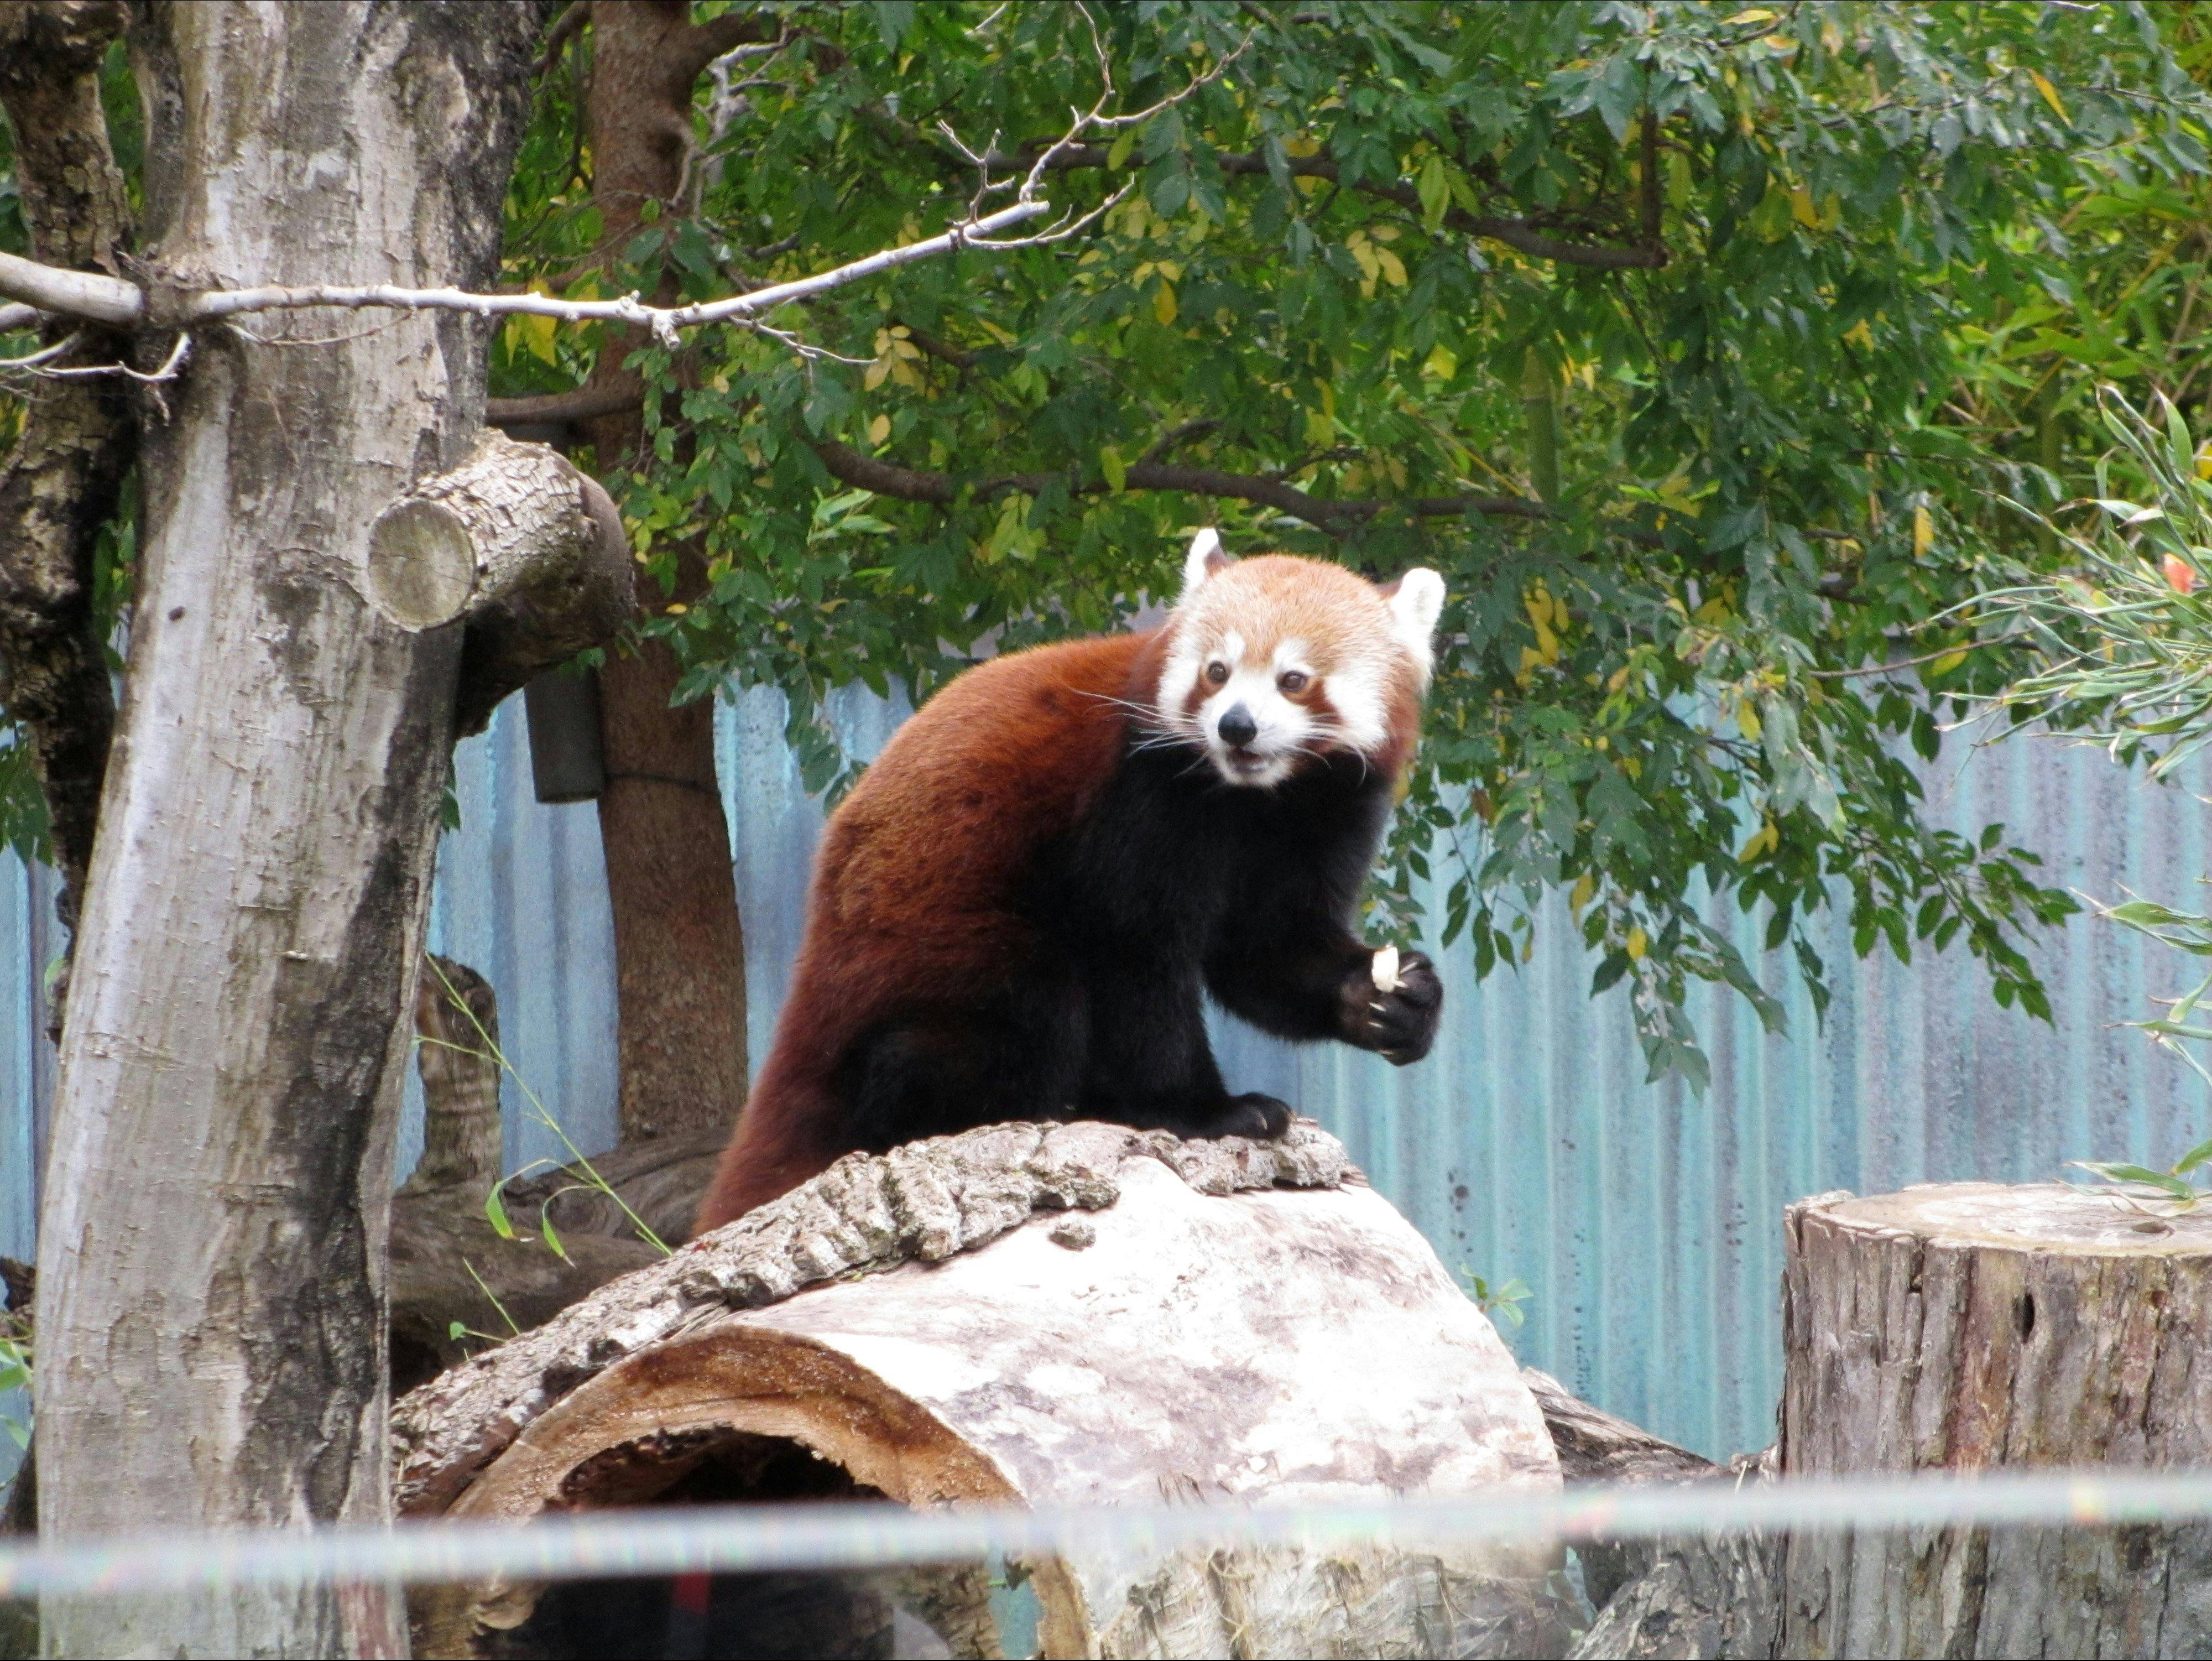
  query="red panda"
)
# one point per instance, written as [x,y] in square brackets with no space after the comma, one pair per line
[1018,911]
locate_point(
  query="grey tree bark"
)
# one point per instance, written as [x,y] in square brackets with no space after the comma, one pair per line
[212,1334]
[1966,1326]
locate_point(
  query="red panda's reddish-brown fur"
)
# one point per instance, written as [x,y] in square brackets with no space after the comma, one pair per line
[1008,755]
[1018,910]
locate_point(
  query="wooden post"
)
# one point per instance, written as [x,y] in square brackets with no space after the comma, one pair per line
[1063,1314]
[1966,1326]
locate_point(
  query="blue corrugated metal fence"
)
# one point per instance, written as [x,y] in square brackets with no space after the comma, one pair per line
[1646,1221]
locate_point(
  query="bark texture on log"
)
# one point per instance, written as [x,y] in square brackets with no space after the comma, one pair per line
[1967,1326]
[1693,1597]
[211,1273]
[1066,1315]
[62,483]
[679,946]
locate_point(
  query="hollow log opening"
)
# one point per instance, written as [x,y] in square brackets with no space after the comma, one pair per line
[736,1616]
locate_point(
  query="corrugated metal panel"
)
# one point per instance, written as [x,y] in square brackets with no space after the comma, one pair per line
[1646,1221]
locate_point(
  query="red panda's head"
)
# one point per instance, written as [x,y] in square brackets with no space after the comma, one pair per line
[1275,660]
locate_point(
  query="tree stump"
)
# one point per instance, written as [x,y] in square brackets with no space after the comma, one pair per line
[450,1269]
[1073,1315]
[1965,1326]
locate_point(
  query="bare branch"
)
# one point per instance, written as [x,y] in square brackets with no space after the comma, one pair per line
[46,355]
[13,317]
[171,366]
[91,295]
[110,300]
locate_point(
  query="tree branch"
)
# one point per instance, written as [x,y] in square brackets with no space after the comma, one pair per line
[710,39]
[102,299]
[850,466]
[566,26]
[110,300]
[1514,233]
[15,317]
[583,404]
[525,552]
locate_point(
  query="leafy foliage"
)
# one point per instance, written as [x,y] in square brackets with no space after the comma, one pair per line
[1406,256]
[1770,307]
[2124,640]
[2177,1187]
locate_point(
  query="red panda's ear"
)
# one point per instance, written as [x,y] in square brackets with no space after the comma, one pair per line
[1204,560]
[1416,600]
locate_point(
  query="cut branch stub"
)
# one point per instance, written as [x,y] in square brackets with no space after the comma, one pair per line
[517,544]
[493,526]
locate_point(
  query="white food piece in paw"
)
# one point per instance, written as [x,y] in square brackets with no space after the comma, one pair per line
[1385,971]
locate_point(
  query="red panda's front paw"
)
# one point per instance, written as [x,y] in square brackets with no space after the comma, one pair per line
[1398,1024]
[1258,1115]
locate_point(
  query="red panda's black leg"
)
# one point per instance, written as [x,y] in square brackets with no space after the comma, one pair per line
[935,1073]
[1150,1065]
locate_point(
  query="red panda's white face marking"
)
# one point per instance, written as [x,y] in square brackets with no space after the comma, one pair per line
[1276,659]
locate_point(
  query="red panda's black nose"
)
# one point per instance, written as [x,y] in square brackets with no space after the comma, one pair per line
[1237,728]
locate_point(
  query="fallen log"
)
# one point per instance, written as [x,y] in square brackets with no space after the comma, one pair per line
[1967,1326]
[1043,1315]
[1698,1598]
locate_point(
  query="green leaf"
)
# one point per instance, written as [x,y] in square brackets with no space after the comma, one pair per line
[2196,1156]
[2142,1176]
[1433,187]
[545,1228]
[495,1214]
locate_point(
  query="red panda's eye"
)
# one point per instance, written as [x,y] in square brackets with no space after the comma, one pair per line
[1291,681]
[1216,673]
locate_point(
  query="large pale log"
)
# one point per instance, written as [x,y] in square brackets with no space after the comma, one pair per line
[1064,1315]
[1968,1326]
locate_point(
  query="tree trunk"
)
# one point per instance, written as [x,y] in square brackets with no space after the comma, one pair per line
[1966,1326]
[1066,1315]
[61,485]
[211,1351]
[679,947]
